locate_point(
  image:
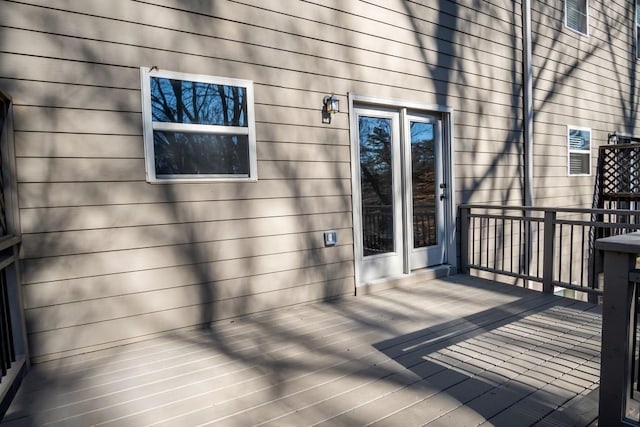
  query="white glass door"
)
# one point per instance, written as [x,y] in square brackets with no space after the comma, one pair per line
[426,190]
[380,197]
[400,196]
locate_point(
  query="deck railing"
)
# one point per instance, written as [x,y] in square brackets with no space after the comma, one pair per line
[13,348]
[13,340]
[553,247]
[619,403]
[378,226]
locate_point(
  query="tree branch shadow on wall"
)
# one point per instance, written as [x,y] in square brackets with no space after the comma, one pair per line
[257,355]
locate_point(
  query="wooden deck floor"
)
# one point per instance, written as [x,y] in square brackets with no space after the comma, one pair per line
[455,352]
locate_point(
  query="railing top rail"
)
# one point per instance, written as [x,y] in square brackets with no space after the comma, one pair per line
[550,209]
[8,241]
[625,243]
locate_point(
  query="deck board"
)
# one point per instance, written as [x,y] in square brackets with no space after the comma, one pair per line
[454,351]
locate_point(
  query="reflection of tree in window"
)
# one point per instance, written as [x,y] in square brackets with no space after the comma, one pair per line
[199,103]
[423,184]
[375,158]
[376,184]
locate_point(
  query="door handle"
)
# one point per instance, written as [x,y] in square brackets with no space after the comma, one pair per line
[443,196]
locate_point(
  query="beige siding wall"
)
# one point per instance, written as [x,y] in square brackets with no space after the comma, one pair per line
[580,81]
[109,258]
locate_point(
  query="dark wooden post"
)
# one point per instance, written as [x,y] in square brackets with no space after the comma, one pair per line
[617,334]
[548,255]
[465,213]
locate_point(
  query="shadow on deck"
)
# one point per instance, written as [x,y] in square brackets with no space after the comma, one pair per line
[455,351]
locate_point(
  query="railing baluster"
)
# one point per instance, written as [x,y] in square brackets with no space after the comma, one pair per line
[511,248]
[520,246]
[488,238]
[559,258]
[503,242]
[473,241]
[582,266]
[480,242]
[495,243]
[538,250]
[571,256]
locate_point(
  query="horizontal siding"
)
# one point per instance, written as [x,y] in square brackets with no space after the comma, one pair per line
[39,220]
[84,265]
[581,81]
[109,258]
[70,194]
[72,314]
[273,65]
[39,169]
[364,28]
[43,144]
[118,331]
[58,292]
[53,244]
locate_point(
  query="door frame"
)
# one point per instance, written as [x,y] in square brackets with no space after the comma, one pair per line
[447,113]
[390,263]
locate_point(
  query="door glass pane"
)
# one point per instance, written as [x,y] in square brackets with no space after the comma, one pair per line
[182,101]
[200,153]
[376,185]
[423,184]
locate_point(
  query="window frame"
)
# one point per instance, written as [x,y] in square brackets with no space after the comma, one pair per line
[584,151]
[149,126]
[566,20]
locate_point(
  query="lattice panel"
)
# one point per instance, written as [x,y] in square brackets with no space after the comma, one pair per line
[620,172]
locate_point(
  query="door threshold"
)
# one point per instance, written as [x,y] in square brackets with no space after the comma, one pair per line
[412,279]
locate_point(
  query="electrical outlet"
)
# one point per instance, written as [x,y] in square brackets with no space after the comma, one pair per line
[330,238]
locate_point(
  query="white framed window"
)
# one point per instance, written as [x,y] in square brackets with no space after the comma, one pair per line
[579,151]
[576,15]
[197,128]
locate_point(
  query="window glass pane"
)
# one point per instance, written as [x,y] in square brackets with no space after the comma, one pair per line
[423,184]
[577,15]
[579,163]
[376,183]
[183,101]
[178,153]
[579,139]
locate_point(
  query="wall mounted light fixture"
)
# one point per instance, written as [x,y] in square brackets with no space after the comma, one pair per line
[330,105]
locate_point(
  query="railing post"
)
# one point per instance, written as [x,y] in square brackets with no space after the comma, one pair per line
[618,332]
[615,364]
[548,255]
[465,213]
